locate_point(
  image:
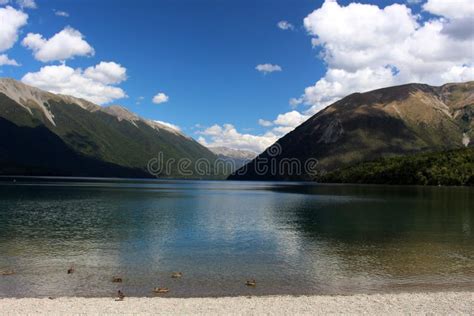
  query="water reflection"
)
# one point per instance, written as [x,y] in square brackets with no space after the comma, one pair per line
[293,238]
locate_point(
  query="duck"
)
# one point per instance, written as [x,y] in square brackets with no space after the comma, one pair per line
[252,283]
[70,270]
[161,290]
[7,272]
[176,275]
[116,279]
[120,296]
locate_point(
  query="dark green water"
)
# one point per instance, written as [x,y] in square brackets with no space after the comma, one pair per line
[293,238]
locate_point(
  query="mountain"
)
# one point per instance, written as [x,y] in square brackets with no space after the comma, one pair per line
[237,157]
[227,152]
[361,127]
[52,134]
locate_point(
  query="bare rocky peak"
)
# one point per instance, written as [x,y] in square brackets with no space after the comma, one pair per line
[123,114]
[33,98]
[30,97]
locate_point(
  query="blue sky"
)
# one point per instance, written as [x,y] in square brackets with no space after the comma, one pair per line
[202,55]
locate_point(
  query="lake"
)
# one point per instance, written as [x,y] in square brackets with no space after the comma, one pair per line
[292,238]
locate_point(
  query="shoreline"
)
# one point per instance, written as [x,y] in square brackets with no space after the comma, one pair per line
[400,303]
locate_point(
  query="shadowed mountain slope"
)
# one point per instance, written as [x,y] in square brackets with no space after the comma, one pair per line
[110,136]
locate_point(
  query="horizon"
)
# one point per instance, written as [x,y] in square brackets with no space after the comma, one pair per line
[284,64]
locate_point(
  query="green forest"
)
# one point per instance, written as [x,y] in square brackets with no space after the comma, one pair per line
[454,167]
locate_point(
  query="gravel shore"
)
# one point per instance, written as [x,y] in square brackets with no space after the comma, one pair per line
[406,303]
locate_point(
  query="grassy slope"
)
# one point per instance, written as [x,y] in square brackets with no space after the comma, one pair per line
[454,167]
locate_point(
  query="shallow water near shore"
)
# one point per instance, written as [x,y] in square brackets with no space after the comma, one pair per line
[293,238]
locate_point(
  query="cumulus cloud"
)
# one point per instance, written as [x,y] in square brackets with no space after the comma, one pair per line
[11,21]
[107,72]
[367,47]
[66,80]
[294,102]
[338,83]
[4,60]
[160,98]
[285,25]
[268,68]
[264,123]
[63,45]
[27,4]
[450,9]
[290,119]
[61,13]
[228,136]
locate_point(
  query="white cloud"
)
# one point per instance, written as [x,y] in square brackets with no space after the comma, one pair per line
[107,72]
[63,45]
[294,102]
[459,73]
[264,123]
[4,60]
[268,68]
[460,18]
[366,47]
[454,9]
[337,83]
[172,126]
[66,80]
[61,13]
[282,130]
[285,25]
[27,4]
[290,119]
[11,20]
[203,141]
[228,136]
[160,98]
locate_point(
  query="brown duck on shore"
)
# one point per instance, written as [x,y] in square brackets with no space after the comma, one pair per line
[161,290]
[116,279]
[120,296]
[176,275]
[70,270]
[251,283]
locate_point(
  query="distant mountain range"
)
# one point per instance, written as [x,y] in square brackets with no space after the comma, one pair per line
[389,122]
[50,134]
[238,157]
[227,152]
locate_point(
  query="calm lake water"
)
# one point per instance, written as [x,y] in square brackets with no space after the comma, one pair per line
[293,238]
